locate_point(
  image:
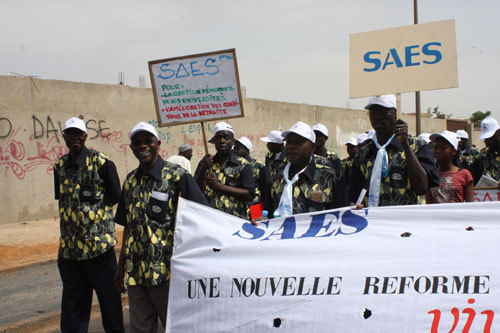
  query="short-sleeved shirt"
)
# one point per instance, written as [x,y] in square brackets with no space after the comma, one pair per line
[147,208]
[335,161]
[395,189]
[313,191]
[451,186]
[275,163]
[486,163]
[237,172]
[87,191]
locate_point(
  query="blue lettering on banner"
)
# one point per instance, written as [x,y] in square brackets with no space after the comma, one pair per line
[430,51]
[188,69]
[321,225]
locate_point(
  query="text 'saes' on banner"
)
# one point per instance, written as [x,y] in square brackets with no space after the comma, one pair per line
[422,268]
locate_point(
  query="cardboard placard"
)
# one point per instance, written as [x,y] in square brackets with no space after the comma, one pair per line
[196,88]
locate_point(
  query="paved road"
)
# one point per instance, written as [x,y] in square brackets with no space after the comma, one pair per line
[29,292]
[34,292]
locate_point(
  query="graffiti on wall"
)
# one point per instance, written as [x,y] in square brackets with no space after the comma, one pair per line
[40,144]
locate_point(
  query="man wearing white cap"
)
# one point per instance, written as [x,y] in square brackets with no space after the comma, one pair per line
[321,133]
[394,167]
[466,153]
[87,187]
[226,179]
[275,157]
[304,185]
[183,158]
[243,148]
[488,161]
[147,210]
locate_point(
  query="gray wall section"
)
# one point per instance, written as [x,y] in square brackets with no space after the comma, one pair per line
[33,113]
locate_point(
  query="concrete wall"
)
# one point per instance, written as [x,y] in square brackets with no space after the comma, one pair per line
[33,112]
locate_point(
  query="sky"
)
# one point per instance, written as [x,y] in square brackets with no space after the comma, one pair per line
[287,50]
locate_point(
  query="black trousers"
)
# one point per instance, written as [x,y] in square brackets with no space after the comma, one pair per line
[80,278]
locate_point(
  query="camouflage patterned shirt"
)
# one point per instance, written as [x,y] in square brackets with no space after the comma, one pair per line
[486,163]
[86,190]
[147,208]
[313,191]
[275,163]
[237,172]
[395,189]
[335,161]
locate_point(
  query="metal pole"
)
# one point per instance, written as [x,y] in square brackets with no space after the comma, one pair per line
[417,93]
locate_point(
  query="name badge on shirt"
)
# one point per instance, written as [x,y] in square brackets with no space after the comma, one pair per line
[317,196]
[159,196]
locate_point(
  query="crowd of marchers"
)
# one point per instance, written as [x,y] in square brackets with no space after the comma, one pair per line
[385,166]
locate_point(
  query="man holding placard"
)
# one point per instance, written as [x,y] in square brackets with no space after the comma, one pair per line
[226,180]
[394,167]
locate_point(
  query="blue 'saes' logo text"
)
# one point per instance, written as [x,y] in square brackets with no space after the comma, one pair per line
[414,55]
[318,225]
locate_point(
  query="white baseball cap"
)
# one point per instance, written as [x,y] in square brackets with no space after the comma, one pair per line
[273,137]
[321,128]
[222,126]
[462,134]
[352,141]
[371,133]
[425,136]
[245,142]
[451,137]
[387,101]
[74,122]
[362,138]
[488,128]
[301,129]
[143,127]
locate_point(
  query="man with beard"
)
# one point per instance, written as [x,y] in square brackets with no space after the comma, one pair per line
[304,185]
[488,161]
[394,167]
[87,187]
[147,210]
[226,179]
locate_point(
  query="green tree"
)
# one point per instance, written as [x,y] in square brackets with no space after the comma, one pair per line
[478,116]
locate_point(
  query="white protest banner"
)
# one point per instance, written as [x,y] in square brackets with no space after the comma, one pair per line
[486,195]
[196,88]
[403,59]
[422,268]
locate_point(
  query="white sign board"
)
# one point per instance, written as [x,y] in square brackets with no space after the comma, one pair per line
[410,58]
[422,268]
[195,88]
[486,195]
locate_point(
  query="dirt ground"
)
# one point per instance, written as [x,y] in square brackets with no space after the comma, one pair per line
[28,243]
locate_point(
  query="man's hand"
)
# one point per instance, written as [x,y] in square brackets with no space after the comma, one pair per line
[118,278]
[208,161]
[213,182]
[401,132]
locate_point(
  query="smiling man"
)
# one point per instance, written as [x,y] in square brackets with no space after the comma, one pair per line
[394,167]
[147,209]
[306,184]
[226,179]
[87,187]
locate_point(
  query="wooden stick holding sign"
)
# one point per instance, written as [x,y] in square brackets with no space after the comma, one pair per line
[196,88]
